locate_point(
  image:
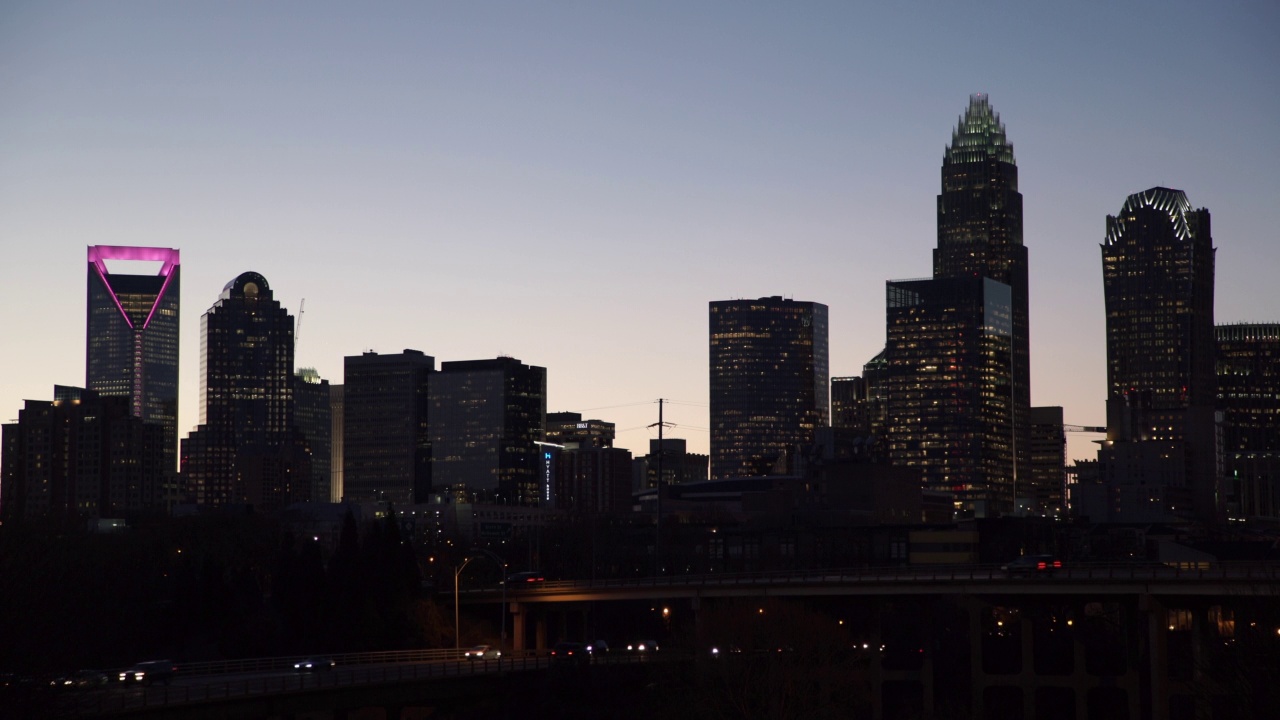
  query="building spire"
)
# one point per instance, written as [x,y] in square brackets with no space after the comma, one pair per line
[979,135]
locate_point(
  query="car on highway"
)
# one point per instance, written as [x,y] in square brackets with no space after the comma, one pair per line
[150,672]
[572,654]
[521,578]
[315,663]
[1029,565]
[644,646]
[483,652]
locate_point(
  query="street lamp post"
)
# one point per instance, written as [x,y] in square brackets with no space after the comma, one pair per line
[502,570]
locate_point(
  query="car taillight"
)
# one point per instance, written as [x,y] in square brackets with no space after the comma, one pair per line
[1057,563]
[1040,566]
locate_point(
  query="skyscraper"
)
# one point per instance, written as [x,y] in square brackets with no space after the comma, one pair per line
[1249,399]
[314,417]
[487,417]
[131,343]
[247,449]
[957,356]
[769,382]
[386,435]
[1157,274]
[949,414]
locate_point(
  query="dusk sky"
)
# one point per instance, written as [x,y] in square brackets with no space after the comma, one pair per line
[571,183]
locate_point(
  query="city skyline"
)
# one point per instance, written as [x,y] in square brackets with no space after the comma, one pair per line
[572,186]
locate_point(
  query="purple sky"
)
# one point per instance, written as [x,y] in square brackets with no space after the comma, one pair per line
[571,183]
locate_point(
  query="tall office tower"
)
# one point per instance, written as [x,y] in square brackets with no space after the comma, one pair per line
[950,395]
[1047,476]
[980,234]
[591,476]
[386,435]
[131,346]
[1160,457]
[247,449]
[1249,400]
[81,455]
[487,417]
[314,417]
[769,383]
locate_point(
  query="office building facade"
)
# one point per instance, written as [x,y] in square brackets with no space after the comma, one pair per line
[950,394]
[1248,370]
[313,416]
[1160,457]
[247,449]
[769,383]
[386,431]
[487,418]
[131,340]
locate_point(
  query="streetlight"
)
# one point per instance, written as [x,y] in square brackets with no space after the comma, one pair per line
[502,570]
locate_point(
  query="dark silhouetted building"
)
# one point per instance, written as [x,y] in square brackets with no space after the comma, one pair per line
[848,399]
[131,347]
[386,433]
[487,418]
[82,455]
[1042,493]
[949,388]
[1160,455]
[1249,400]
[769,383]
[247,449]
[313,415]
[679,466]
[337,405]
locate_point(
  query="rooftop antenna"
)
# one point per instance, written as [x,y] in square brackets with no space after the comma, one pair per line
[297,330]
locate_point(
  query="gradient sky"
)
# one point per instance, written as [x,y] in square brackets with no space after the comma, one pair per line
[571,183]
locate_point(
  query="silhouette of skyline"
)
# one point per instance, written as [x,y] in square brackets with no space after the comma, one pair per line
[571,185]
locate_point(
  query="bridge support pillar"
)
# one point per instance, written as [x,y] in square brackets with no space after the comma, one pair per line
[518,615]
[540,631]
[1157,655]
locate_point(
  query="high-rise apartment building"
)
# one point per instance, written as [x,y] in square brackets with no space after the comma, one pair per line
[247,449]
[769,383]
[386,433]
[1249,399]
[131,343]
[957,359]
[1160,457]
[487,417]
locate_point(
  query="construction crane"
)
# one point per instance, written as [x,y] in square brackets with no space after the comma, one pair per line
[297,330]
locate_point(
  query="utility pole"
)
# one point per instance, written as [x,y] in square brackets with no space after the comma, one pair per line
[657,545]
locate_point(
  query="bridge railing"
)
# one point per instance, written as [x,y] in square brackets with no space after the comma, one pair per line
[245,665]
[1138,570]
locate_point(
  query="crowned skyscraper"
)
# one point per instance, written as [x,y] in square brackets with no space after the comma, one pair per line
[957,347]
[247,449]
[1160,459]
[131,343]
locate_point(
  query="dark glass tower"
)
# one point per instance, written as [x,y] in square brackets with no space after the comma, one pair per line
[487,417]
[949,388]
[769,382]
[131,347]
[1157,276]
[247,449]
[386,436]
[314,417]
[980,234]
[1249,399]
